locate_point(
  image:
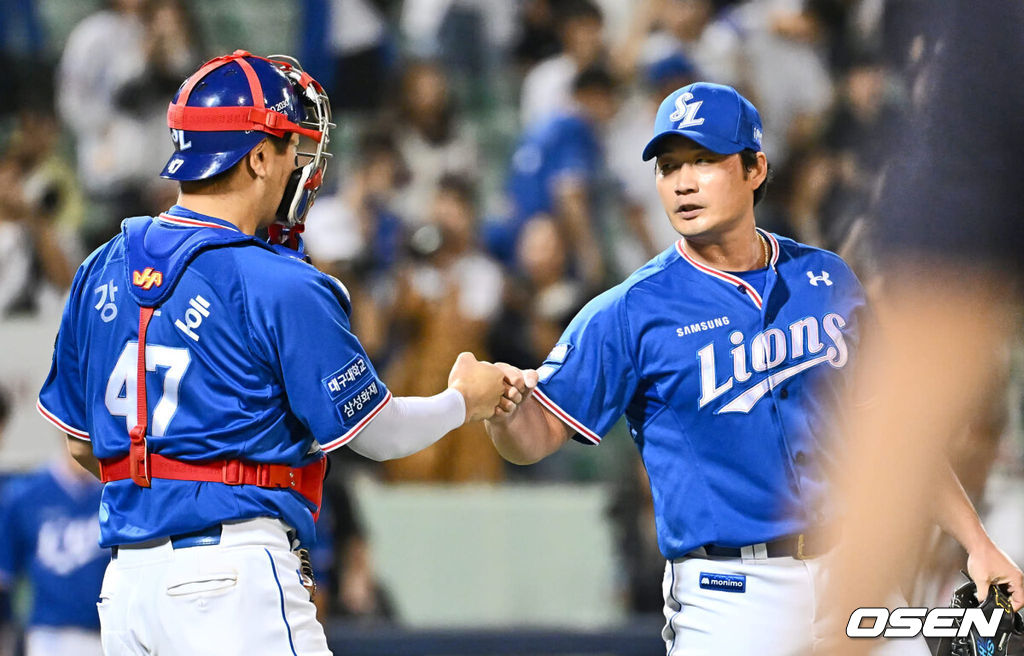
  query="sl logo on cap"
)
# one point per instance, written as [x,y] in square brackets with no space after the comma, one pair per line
[688,113]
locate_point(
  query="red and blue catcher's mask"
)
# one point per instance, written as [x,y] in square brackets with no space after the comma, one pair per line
[231,104]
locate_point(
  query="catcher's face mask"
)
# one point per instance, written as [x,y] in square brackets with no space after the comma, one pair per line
[306,179]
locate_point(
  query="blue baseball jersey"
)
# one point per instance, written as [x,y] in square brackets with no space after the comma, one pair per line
[50,533]
[249,356]
[729,391]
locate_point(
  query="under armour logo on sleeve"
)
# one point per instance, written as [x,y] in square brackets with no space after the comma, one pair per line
[822,278]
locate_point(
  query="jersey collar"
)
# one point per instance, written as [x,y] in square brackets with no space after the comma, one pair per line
[724,276]
[179,215]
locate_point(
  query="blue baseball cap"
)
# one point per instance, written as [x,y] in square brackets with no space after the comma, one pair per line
[713,115]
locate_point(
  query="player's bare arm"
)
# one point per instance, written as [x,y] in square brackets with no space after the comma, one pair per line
[986,563]
[529,432]
[81,451]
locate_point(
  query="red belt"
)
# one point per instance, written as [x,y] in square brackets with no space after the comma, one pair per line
[307,481]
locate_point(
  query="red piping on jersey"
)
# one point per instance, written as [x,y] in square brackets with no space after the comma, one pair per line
[728,277]
[53,419]
[330,446]
[566,417]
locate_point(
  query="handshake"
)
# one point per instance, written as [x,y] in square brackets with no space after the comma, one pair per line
[491,391]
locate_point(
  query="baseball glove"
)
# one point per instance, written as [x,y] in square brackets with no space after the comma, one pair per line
[972,644]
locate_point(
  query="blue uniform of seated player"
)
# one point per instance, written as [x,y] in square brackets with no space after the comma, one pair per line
[729,355]
[203,373]
[50,538]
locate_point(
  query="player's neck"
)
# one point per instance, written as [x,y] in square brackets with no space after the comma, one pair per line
[737,250]
[234,208]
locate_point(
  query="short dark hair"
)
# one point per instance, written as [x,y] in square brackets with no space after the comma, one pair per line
[212,183]
[748,157]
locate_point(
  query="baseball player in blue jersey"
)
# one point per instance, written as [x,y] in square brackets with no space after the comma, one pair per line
[49,537]
[202,373]
[727,354]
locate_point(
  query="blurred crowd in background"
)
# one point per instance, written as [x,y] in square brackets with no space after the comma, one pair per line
[487,181]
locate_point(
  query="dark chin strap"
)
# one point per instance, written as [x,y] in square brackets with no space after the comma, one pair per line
[289,194]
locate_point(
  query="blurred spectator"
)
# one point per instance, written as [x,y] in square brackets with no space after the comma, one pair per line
[356,236]
[640,561]
[433,139]
[40,207]
[777,49]
[102,53]
[172,50]
[113,86]
[547,88]
[23,57]
[469,37]
[347,584]
[834,185]
[347,46]
[661,28]
[650,230]
[541,300]
[51,537]
[447,300]
[557,169]
[538,34]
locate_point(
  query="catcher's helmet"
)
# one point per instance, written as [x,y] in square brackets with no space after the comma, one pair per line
[231,104]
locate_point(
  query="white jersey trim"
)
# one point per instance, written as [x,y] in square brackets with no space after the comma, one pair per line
[53,419]
[569,420]
[355,430]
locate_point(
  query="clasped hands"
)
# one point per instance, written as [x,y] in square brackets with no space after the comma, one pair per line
[491,391]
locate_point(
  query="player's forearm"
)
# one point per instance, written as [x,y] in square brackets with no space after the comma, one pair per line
[529,435]
[955,513]
[410,424]
[81,451]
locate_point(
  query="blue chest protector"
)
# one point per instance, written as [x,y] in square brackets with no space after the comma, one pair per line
[249,356]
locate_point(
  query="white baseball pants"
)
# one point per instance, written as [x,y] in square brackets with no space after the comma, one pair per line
[775,614]
[241,597]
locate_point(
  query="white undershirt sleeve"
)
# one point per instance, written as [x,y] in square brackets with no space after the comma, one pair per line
[409,424]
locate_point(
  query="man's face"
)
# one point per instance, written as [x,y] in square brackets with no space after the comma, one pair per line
[704,193]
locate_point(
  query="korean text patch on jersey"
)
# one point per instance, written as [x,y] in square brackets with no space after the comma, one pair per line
[362,399]
[342,381]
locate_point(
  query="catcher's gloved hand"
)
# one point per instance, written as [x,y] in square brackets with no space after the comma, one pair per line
[972,644]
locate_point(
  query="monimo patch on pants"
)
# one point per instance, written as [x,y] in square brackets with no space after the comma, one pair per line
[723,582]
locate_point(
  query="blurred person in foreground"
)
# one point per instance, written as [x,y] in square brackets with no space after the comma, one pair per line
[951,234]
[728,354]
[50,537]
[207,397]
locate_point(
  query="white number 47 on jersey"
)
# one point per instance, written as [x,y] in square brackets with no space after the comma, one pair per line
[120,397]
